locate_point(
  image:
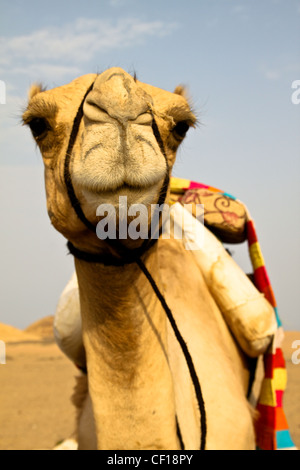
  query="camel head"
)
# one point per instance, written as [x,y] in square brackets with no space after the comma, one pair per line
[106,135]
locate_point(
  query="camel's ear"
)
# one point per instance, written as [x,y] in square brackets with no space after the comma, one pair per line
[34,90]
[181,90]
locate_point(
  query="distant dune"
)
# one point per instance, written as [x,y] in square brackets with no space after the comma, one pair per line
[40,330]
[43,329]
[10,334]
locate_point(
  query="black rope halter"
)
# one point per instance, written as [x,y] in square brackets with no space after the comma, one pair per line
[126,256]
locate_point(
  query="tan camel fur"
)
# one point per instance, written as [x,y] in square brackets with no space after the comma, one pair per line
[138,380]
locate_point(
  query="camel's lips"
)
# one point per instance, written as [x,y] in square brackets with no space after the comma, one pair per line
[92,198]
[113,190]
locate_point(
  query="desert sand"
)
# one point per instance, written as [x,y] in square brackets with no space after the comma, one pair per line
[37,381]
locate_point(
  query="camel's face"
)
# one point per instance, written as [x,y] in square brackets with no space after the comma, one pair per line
[125,144]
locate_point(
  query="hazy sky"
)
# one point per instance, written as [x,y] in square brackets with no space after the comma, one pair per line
[238,58]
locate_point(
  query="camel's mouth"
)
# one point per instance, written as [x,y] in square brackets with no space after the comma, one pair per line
[116,190]
[92,198]
[122,188]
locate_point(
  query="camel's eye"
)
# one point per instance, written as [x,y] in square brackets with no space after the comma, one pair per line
[39,127]
[180,130]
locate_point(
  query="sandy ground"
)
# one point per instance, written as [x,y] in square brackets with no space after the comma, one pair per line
[37,381]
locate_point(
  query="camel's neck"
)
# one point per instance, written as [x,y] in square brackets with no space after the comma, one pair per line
[124,329]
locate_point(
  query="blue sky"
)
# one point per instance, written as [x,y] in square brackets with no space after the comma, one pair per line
[238,58]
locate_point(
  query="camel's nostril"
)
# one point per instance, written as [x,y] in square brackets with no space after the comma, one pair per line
[144,119]
[93,112]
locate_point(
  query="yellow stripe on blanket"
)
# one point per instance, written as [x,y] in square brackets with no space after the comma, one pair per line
[280,378]
[178,183]
[268,396]
[256,256]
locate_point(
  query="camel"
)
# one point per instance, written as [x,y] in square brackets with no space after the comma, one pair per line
[165,364]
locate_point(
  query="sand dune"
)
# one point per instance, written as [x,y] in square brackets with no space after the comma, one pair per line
[10,334]
[42,328]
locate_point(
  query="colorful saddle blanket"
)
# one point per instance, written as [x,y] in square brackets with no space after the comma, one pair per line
[231,222]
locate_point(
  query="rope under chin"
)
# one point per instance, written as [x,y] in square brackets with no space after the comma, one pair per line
[125,256]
